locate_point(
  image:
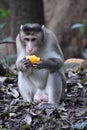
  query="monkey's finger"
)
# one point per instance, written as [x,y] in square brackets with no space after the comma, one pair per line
[25,60]
[38,65]
[27,64]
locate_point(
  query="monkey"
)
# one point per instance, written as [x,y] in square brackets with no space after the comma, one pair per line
[43,81]
[40,96]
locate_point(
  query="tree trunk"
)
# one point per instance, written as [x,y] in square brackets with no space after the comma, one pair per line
[25,11]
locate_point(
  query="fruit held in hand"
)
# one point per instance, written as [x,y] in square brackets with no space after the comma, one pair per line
[33,59]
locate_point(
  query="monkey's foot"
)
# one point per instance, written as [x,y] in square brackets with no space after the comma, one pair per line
[40,97]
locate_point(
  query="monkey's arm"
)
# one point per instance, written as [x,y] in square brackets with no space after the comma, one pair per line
[52,58]
[51,64]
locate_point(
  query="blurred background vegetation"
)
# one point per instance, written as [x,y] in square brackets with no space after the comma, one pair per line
[58,15]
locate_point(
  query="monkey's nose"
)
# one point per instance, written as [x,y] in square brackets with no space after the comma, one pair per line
[30,48]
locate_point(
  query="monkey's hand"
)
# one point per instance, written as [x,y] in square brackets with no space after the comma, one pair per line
[23,66]
[39,65]
[26,63]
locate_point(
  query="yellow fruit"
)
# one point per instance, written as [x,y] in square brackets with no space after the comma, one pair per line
[33,59]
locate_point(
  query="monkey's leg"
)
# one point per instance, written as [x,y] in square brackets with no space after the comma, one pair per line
[54,91]
[54,88]
[26,88]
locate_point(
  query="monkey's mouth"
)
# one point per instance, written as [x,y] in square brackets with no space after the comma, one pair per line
[33,52]
[30,53]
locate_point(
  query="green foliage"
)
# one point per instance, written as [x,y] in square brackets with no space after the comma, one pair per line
[3,15]
[25,127]
[83,28]
[5,114]
[10,74]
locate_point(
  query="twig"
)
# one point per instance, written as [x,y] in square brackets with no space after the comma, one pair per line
[7,42]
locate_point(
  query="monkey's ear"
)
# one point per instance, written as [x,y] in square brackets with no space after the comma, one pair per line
[43,26]
[21,27]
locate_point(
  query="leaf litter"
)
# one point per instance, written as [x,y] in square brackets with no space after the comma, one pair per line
[16,114]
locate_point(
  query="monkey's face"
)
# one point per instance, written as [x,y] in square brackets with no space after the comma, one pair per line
[32,38]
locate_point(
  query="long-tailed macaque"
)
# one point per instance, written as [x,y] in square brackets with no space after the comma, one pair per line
[43,81]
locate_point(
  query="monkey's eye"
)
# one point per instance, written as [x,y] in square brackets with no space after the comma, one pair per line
[33,39]
[26,39]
